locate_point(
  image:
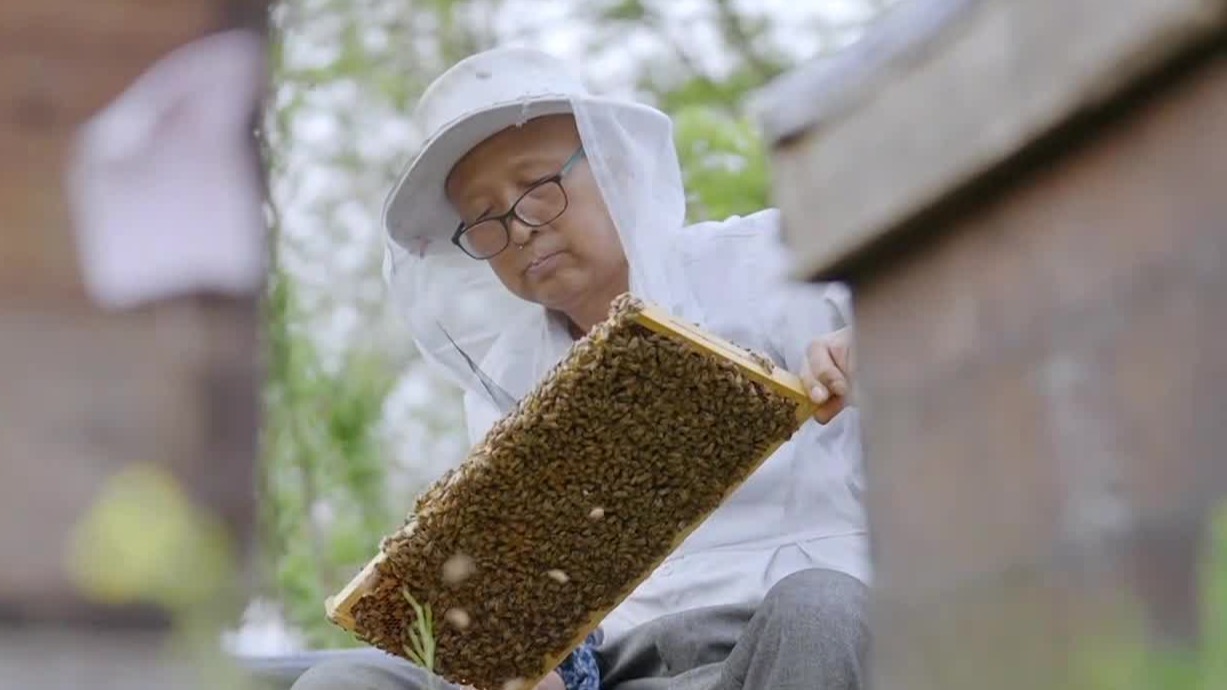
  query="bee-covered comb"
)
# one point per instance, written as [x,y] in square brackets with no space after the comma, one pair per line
[509,561]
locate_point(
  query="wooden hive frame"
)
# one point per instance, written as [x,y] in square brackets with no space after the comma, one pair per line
[339,607]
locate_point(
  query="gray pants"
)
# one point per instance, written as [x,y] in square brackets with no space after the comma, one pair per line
[809,633]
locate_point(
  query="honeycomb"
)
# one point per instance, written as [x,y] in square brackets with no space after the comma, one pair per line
[570,502]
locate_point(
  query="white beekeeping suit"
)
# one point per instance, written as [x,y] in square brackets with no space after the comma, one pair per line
[802,508]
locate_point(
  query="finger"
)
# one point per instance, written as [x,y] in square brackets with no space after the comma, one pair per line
[828,411]
[552,682]
[823,367]
[844,356]
[842,351]
[818,393]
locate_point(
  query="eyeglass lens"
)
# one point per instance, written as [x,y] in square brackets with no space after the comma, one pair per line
[540,205]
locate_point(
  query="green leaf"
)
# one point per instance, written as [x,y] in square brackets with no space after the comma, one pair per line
[724,164]
[624,11]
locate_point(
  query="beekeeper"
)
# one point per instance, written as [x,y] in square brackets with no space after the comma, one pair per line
[531,206]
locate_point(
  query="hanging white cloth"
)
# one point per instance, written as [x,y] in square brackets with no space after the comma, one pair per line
[163,184]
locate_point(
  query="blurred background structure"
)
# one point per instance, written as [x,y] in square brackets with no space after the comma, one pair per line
[1027,199]
[131,272]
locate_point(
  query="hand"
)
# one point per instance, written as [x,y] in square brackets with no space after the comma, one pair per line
[827,373]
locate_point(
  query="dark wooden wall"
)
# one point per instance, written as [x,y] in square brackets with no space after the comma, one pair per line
[1046,414]
[1030,203]
[87,392]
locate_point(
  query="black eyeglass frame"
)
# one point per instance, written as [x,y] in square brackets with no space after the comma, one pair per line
[556,179]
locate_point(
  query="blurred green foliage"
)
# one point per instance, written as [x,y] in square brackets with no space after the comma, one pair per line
[1126,659]
[320,448]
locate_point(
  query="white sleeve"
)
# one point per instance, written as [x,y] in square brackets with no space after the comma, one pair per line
[479,415]
[793,313]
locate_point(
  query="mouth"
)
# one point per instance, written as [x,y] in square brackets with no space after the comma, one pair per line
[542,263]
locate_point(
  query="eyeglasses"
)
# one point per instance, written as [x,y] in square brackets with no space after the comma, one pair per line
[539,205]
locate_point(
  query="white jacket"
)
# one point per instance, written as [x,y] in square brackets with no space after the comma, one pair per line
[803,508]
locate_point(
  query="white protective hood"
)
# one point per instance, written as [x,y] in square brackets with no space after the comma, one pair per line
[444,293]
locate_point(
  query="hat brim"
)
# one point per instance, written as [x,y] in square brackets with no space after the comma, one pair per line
[417,214]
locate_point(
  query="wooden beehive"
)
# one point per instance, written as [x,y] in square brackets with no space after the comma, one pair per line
[1028,201]
[574,498]
[88,393]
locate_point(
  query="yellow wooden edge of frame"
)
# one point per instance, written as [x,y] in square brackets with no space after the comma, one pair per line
[776,378]
[338,607]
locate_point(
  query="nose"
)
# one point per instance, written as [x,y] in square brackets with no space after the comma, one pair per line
[519,232]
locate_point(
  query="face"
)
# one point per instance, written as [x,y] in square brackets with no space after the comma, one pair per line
[570,264]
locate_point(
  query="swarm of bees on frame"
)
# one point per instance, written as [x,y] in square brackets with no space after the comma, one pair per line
[568,504]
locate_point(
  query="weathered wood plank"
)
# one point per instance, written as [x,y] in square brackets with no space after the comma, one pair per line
[87,393]
[1042,389]
[128,27]
[31,196]
[55,658]
[868,142]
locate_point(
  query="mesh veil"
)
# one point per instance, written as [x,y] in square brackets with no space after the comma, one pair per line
[447,297]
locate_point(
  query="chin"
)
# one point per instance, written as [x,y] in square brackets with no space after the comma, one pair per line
[557,295]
